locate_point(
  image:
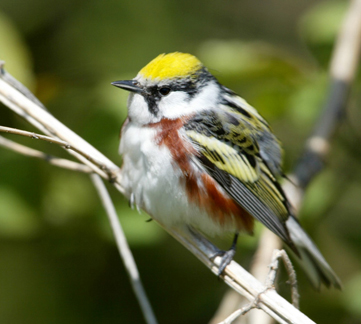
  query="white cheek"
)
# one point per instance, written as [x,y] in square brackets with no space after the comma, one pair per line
[208,98]
[178,103]
[174,105]
[138,110]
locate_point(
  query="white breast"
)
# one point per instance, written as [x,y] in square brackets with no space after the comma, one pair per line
[153,181]
[147,172]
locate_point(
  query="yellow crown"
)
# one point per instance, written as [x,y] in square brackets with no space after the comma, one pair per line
[172,65]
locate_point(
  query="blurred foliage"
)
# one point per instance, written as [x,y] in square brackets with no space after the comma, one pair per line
[58,259]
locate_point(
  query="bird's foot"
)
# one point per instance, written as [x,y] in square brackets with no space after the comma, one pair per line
[227,257]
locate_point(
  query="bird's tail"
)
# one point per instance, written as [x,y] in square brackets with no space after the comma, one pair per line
[310,258]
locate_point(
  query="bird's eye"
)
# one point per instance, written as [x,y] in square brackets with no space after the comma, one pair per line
[164,91]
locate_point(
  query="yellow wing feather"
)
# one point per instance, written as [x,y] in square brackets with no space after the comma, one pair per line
[225,157]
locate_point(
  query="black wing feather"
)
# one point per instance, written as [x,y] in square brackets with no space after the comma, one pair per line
[246,198]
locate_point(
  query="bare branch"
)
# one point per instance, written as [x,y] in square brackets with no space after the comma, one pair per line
[239,312]
[124,250]
[49,139]
[281,254]
[346,56]
[239,279]
[62,163]
[344,63]
[8,78]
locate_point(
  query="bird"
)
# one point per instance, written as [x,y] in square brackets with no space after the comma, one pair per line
[196,154]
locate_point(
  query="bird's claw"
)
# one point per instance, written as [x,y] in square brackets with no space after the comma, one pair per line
[227,257]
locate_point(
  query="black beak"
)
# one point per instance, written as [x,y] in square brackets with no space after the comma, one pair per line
[129,85]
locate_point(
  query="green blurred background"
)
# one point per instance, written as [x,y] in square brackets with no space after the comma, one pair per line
[58,261]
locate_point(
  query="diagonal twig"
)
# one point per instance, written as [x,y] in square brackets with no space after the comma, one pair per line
[62,163]
[124,250]
[274,265]
[48,139]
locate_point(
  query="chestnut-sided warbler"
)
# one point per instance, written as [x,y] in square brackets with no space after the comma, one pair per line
[197,154]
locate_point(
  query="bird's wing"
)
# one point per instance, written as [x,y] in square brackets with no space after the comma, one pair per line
[269,146]
[229,150]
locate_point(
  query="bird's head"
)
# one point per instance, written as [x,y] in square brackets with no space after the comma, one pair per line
[171,86]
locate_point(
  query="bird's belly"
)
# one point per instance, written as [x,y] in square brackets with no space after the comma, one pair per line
[155,184]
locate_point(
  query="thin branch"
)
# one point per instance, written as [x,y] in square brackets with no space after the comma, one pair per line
[8,78]
[276,256]
[271,278]
[27,151]
[124,250]
[59,142]
[239,312]
[344,64]
[239,279]
[235,276]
